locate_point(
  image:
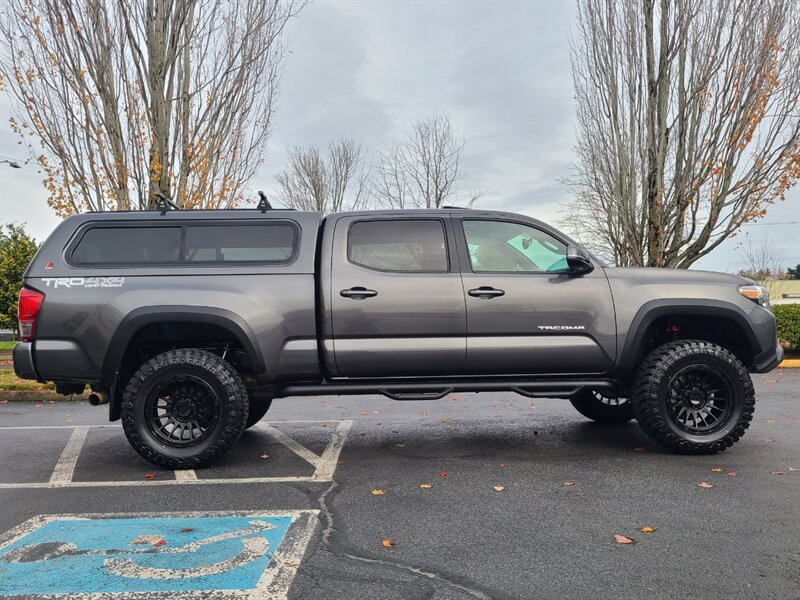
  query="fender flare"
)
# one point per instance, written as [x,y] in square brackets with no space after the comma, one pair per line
[635,341]
[149,315]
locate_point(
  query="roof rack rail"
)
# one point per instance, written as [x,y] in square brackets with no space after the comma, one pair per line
[456,207]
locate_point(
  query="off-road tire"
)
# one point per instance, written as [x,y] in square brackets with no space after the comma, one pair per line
[650,389]
[214,371]
[258,408]
[590,406]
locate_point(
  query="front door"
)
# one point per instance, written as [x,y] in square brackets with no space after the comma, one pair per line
[526,313]
[396,298]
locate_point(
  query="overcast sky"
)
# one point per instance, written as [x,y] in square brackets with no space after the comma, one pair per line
[368,69]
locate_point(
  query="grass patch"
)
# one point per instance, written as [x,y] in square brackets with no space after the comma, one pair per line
[9,382]
[7,345]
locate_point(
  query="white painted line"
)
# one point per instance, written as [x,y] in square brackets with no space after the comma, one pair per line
[292,445]
[152,482]
[185,475]
[325,465]
[65,466]
[274,583]
[330,457]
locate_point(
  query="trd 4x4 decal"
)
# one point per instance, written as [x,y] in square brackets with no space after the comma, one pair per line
[86,282]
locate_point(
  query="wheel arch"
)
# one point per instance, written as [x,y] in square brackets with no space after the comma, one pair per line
[141,318]
[637,339]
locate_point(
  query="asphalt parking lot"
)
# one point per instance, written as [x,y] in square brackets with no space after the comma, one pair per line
[520,498]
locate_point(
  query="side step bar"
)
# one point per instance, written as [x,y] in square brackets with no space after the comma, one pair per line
[434,391]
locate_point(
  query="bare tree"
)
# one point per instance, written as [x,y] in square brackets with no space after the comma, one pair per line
[312,182]
[424,171]
[121,101]
[687,120]
[763,263]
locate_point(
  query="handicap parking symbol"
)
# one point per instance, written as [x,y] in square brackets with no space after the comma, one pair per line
[174,555]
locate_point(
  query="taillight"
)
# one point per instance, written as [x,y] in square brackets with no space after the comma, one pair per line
[30,303]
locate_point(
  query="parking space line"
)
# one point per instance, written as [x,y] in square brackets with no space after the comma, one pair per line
[330,457]
[65,466]
[292,445]
[184,475]
[325,465]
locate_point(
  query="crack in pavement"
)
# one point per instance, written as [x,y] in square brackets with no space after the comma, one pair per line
[327,542]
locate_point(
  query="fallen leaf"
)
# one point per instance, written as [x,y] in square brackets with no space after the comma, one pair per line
[704,485]
[425,486]
[568,483]
[498,488]
[791,417]
[364,413]
[323,424]
[793,469]
[502,465]
[770,440]
[424,414]
[341,462]
[778,473]
[638,449]
[186,530]
[292,565]
[445,421]
[160,543]
[442,473]
[377,492]
[716,470]
[648,529]
[265,455]
[387,543]
[39,405]
[621,539]
[732,474]
[770,421]
[401,445]
[149,476]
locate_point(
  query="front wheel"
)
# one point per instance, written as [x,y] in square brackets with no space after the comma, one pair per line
[184,408]
[602,409]
[693,397]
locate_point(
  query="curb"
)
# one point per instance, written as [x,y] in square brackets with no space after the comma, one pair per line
[790,363]
[38,396]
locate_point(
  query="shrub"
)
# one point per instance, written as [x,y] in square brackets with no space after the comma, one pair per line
[787,318]
[16,251]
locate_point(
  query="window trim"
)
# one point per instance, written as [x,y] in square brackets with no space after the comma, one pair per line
[394,220]
[465,245]
[181,262]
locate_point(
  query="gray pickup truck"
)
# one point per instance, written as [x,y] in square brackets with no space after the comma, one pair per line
[189,323]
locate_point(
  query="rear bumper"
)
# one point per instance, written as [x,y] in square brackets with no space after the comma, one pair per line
[23,361]
[766,361]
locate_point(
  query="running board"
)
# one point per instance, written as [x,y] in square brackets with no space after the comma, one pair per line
[434,391]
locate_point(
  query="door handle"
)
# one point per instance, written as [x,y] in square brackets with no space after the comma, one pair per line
[486,292]
[358,293]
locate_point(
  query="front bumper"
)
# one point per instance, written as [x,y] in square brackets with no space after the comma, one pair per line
[23,361]
[766,361]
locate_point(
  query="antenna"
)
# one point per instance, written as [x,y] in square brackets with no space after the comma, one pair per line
[263,204]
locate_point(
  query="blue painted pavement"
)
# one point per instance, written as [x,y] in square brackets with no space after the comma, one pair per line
[126,555]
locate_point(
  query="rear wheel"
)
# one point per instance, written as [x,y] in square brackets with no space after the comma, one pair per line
[600,408]
[184,408]
[693,397]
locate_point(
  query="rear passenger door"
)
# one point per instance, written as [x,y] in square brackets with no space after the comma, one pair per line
[397,306]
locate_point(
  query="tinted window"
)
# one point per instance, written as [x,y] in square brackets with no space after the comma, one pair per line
[244,243]
[128,245]
[497,246]
[262,243]
[398,245]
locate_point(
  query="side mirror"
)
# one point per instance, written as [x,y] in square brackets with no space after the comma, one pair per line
[578,260]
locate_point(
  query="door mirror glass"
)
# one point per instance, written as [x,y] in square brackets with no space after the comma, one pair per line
[578,260]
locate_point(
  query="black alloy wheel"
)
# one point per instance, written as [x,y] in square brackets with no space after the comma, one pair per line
[182,410]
